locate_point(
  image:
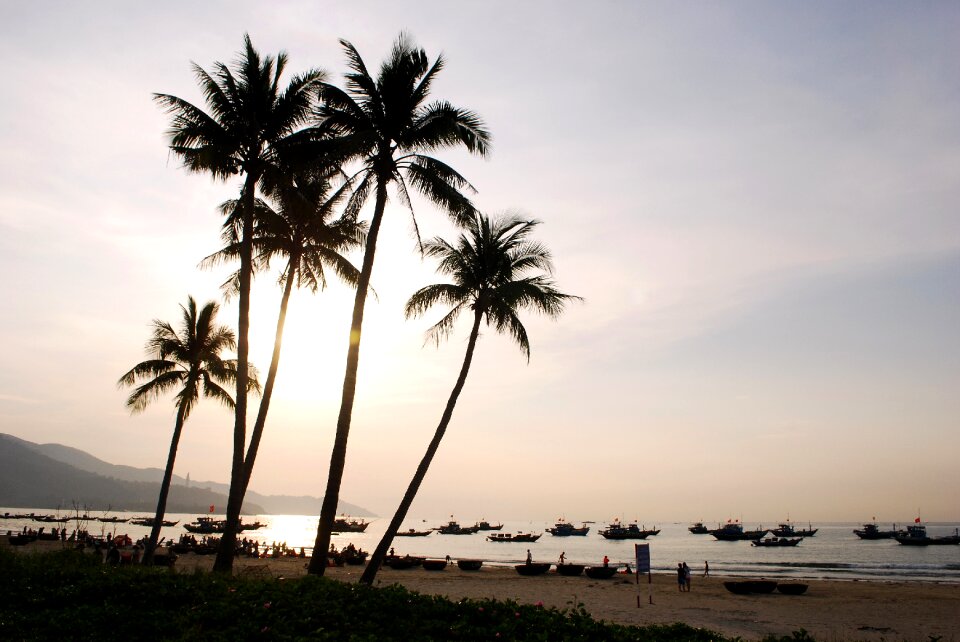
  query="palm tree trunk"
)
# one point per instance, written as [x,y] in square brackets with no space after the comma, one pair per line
[165,487]
[331,497]
[257,433]
[225,553]
[376,560]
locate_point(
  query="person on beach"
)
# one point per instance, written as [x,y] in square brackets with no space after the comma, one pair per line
[563,557]
[681,577]
[606,561]
[529,557]
[706,568]
[687,574]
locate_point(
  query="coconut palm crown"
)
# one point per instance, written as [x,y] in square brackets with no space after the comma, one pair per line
[190,361]
[490,267]
[389,126]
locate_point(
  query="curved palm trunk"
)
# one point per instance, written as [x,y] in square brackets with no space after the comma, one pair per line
[376,560]
[165,487]
[331,497]
[228,543]
[257,432]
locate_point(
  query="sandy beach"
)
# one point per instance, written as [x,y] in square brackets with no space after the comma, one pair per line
[830,610]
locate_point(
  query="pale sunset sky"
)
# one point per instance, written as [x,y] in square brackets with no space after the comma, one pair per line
[758,201]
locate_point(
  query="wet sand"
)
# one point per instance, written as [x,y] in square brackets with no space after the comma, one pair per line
[830,610]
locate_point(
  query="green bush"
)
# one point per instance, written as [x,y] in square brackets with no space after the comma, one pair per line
[69,596]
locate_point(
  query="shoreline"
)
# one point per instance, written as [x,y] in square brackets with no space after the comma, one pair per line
[852,609]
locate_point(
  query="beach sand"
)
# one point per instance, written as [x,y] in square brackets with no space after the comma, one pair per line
[830,610]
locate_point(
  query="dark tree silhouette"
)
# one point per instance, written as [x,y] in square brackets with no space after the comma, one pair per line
[387,124]
[249,122]
[496,272]
[189,360]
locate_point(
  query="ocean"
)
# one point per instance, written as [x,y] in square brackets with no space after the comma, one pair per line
[833,553]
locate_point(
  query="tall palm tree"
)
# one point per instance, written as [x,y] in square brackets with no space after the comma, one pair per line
[249,122]
[189,360]
[387,124]
[300,231]
[496,272]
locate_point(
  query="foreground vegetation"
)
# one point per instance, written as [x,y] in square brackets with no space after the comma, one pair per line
[70,596]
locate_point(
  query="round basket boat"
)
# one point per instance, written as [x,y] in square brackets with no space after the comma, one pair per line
[762,586]
[533,568]
[571,570]
[470,565]
[434,565]
[795,588]
[600,572]
[746,587]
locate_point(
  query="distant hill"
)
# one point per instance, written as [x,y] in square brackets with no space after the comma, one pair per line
[41,475]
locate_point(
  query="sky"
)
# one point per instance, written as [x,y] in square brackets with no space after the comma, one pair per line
[757,202]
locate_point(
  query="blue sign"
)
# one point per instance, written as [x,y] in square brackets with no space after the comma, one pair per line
[643,557]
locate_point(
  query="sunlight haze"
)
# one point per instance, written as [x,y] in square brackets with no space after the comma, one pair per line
[757,201]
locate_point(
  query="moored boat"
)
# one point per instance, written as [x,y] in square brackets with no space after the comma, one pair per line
[916,535]
[484,525]
[565,529]
[600,572]
[786,529]
[570,570]
[519,537]
[871,531]
[734,532]
[453,528]
[617,530]
[470,565]
[347,525]
[698,529]
[777,541]
[413,533]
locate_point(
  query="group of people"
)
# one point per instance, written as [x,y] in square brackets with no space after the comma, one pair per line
[684,573]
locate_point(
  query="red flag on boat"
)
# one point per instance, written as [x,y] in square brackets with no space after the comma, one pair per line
[916,521]
[211,507]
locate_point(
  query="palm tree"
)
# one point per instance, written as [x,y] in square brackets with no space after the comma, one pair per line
[490,267]
[249,123]
[299,231]
[387,123]
[189,360]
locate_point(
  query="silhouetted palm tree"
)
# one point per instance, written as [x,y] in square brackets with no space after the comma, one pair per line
[490,267]
[299,231]
[250,120]
[189,360]
[387,123]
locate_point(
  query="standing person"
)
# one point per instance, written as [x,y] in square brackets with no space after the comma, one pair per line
[529,557]
[563,557]
[706,568]
[606,561]
[681,579]
[687,574]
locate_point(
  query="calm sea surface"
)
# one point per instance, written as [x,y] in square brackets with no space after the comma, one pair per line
[834,552]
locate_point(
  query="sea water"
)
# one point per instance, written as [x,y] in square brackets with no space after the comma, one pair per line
[835,552]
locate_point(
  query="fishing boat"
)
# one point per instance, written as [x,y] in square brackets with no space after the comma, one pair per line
[566,529]
[916,535]
[570,570]
[733,532]
[113,520]
[347,525]
[413,533]
[786,529]
[777,541]
[484,525]
[148,521]
[470,565]
[616,530]
[698,529]
[453,528]
[871,531]
[519,537]
[206,525]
